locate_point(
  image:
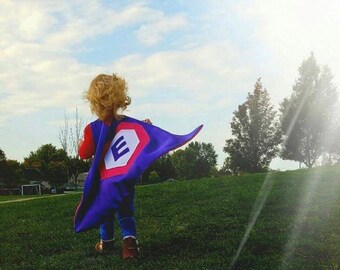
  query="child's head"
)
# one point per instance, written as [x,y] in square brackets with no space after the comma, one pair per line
[107,94]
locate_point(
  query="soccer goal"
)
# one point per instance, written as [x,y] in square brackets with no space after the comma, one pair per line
[31,189]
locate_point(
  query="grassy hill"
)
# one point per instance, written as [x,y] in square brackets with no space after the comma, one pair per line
[286,220]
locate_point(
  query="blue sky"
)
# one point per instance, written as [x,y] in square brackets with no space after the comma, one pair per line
[186,62]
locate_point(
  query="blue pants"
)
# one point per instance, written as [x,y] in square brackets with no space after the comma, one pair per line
[125,216]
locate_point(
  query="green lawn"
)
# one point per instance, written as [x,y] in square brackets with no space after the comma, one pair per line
[196,224]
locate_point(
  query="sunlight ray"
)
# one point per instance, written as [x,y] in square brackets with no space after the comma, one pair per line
[257,208]
[317,197]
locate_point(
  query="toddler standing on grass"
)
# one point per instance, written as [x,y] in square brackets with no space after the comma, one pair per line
[107,95]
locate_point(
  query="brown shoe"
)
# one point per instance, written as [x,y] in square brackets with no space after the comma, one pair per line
[105,246]
[130,248]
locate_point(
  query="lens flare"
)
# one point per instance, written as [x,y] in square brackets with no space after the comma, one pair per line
[257,208]
[316,202]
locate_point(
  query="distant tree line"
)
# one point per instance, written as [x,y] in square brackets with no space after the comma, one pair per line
[197,160]
[306,129]
[50,163]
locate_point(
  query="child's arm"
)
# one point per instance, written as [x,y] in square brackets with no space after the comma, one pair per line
[86,148]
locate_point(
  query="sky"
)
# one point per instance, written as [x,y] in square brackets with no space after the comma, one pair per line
[186,62]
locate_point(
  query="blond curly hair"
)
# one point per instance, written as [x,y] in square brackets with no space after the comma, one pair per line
[107,95]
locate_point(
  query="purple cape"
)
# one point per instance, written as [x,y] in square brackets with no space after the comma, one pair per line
[124,150]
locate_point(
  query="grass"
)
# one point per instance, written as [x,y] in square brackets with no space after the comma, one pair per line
[194,224]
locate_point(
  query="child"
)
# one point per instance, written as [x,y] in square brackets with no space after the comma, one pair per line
[107,95]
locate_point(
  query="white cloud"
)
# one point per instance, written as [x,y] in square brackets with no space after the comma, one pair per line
[92,19]
[152,32]
[24,21]
[202,72]
[33,79]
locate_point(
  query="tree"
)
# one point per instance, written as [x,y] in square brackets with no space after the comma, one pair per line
[307,114]
[50,161]
[162,167]
[75,166]
[76,133]
[64,134]
[256,134]
[3,165]
[226,168]
[69,138]
[331,155]
[10,170]
[2,155]
[14,170]
[197,160]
